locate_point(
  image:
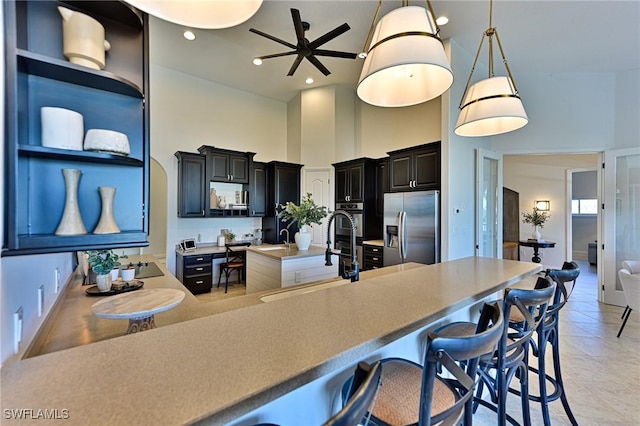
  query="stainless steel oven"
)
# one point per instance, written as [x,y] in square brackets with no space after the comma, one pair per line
[342,225]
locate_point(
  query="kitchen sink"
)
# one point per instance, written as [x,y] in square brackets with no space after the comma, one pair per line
[304,290]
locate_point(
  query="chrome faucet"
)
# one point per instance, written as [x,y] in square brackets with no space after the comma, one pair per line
[287,240]
[353,272]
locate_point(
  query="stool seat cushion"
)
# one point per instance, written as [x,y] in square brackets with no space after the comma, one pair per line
[398,401]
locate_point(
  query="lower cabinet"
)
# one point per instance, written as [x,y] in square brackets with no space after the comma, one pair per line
[194,272]
[372,257]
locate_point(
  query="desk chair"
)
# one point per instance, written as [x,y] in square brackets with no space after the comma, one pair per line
[411,393]
[234,262]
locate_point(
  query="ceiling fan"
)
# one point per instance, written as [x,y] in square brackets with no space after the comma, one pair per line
[306,49]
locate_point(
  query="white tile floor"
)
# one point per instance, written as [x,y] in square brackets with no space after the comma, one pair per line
[601,372]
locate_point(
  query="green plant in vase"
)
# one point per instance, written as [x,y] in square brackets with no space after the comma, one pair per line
[102,263]
[536,218]
[305,214]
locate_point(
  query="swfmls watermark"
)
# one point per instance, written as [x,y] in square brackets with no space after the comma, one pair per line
[35,414]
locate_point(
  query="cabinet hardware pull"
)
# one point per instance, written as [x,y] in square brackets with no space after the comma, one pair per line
[199,269]
[200,258]
[202,212]
[199,282]
[231,177]
[375,258]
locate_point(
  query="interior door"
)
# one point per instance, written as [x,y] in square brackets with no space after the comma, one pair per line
[488,204]
[316,182]
[621,230]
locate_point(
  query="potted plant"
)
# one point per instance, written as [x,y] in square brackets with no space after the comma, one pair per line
[102,263]
[305,214]
[536,218]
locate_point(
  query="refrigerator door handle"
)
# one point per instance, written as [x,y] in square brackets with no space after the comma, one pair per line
[403,231]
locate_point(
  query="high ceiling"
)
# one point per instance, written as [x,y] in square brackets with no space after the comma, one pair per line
[537,36]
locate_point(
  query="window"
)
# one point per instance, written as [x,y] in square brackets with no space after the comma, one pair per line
[584,206]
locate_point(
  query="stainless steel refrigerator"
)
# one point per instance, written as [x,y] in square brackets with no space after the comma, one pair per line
[411,227]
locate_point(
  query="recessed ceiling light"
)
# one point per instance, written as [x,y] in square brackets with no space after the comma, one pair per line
[189,35]
[257,61]
[309,80]
[442,20]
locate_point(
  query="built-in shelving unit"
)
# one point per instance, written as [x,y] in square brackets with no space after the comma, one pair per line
[38,75]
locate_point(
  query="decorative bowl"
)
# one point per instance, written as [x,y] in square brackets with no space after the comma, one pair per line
[103,140]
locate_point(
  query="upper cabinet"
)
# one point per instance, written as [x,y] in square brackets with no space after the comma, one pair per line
[226,166]
[355,180]
[107,94]
[192,186]
[415,169]
[258,189]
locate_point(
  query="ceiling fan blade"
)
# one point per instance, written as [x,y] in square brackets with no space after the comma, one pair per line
[270,37]
[334,53]
[318,65]
[297,24]
[277,55]
[294,67]
[329,36]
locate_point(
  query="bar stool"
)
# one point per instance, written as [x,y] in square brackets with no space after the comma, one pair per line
[511,358]
[418,394]
[359,395]
[548,334]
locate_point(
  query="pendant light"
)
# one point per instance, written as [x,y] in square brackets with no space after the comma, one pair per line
[405,63]
[491,106]
[207,14]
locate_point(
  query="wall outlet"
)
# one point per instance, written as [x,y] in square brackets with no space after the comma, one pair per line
[17,329]
[56,277]
[40,300]
[298,276]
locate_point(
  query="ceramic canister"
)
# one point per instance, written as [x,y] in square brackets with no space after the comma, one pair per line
[61,128]
[83,39]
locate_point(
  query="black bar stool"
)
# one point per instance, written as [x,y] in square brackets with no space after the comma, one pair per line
[548,334]
[512,357]
[411,393]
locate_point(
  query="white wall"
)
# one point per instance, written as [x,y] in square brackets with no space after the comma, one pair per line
[542,177]
[187,112]
[568,112]
[458,164]
[627,109]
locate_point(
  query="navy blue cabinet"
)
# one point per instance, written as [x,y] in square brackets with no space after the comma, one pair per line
[114,98]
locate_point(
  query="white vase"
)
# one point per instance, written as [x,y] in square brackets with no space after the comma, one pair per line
[107,223]
[536,233]
[303,238]
[61,128]
[71,222]
[115,272]
[104,282]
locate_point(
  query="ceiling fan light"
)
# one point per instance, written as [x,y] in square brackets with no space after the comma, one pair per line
[208,14]
[406,63]
[491,107]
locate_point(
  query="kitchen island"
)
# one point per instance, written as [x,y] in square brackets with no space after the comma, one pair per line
[276,266]
[282,361]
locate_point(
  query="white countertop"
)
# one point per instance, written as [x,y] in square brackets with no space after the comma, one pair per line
[181,373]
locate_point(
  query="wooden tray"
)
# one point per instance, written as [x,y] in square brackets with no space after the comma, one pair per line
[132,286]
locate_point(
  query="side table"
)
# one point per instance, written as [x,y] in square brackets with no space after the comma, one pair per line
[537,245]
[138,306]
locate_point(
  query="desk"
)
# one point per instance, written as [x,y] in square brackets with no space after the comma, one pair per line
[138,306]
[536,246]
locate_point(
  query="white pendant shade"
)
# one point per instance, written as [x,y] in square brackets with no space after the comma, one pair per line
[491,107]
[208,14]
[404,69]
